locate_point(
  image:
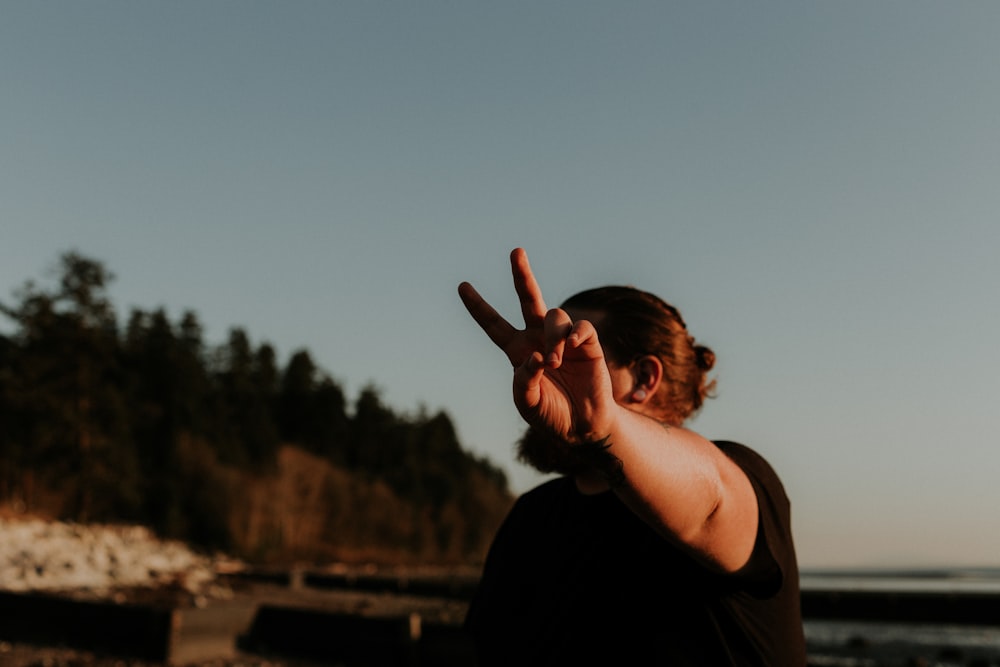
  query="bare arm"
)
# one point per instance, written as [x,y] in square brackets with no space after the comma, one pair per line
[687,488]
[676,480]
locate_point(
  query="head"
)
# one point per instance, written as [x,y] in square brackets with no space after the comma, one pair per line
[657,367]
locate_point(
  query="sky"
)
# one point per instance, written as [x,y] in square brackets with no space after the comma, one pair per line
[813,185]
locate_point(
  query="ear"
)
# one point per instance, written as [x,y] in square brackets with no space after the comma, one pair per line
[647,372]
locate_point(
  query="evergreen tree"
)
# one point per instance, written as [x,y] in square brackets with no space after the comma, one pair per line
[68,388]
[312,409]
[246,433]
[375,435]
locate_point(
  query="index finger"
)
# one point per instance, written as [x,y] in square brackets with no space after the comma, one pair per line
[499,330]
[530,294]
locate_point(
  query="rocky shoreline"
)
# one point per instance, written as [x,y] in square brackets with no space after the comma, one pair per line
[128,564]
[102,561]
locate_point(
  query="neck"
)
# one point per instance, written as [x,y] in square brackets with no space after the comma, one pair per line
[590,483]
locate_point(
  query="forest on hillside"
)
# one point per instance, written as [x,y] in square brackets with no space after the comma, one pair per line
[218,445]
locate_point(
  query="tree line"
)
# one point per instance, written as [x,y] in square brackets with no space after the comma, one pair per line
[220,445]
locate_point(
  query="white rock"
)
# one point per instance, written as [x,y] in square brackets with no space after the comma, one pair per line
[38,555]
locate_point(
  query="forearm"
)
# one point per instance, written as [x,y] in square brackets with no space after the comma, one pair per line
[684,486]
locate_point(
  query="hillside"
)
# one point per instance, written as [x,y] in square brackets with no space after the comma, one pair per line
[220,446]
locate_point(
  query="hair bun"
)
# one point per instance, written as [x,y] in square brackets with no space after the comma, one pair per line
[704,357]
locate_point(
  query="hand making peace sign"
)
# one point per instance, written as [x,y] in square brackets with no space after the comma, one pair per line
[561,379]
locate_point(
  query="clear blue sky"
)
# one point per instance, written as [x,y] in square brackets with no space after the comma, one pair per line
[814,185]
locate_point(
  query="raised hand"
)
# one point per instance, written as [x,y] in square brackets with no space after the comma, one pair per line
[561,379]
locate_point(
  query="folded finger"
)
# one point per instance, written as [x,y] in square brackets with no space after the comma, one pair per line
[583,336]
[557,326]
[527,383]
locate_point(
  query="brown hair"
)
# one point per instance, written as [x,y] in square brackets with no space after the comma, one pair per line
[635,323]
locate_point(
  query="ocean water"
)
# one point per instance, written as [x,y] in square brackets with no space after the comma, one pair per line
[957,580]
[887,643]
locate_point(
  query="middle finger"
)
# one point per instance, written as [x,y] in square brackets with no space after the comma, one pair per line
[528,291]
